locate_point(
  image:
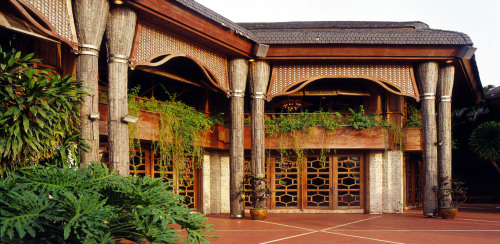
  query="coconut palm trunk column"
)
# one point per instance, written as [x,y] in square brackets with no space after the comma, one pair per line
[259,79]
[238,70]
[120,32]
[428,77]
[90,23]
[445,87]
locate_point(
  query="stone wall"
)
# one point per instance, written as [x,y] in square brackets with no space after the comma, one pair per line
[215,196]
[385,182]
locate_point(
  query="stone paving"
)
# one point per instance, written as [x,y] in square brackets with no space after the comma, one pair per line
[478,223]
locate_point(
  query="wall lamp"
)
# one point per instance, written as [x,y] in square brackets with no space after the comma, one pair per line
[94,116]
[118,2]
[130,119]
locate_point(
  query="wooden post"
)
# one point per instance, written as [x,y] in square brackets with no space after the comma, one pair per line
[90,23]
[444,90]
[119,34]
[238,70]
[259,79]
[428,77]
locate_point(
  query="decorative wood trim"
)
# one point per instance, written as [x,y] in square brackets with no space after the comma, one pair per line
[52,31]
[287,76]
[153,43]
[149,66]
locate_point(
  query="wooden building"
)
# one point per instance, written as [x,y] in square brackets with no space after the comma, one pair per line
[258,70]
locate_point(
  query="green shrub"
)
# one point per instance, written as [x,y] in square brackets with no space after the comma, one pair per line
[38,113]
[89,204]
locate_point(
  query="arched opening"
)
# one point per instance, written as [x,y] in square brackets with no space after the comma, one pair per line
[334,95]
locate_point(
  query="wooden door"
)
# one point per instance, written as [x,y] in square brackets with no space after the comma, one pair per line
[331,182]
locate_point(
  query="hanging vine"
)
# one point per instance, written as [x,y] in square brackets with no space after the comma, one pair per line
[289,128]
[181,132]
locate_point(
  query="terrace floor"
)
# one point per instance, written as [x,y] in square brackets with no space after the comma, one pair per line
[475,223]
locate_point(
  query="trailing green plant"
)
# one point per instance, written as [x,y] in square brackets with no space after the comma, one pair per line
[260,191]
[50,204]
[181,128]
[289,128]
[456,190]
[413,117]
[38,112]
[359,120]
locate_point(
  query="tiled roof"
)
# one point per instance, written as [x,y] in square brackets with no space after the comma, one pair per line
[493,93]
[335,32]
[351,32]
[210,14]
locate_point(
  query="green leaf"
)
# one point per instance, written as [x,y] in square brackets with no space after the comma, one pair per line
[26,123]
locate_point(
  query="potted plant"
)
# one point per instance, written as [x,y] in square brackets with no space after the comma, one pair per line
[451,194]
[258,196]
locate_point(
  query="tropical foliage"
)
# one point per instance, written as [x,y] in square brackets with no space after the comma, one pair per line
[38,112]
[485,142]
[50,204]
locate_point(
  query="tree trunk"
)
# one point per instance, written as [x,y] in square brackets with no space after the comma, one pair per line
[428,76]
[259,79]
[492,161]
[238,69]
[444,90]
[119,34]
[90,23]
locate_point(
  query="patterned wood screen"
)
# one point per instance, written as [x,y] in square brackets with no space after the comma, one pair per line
[152,42]
[183,177]
[399,76]
[331,182]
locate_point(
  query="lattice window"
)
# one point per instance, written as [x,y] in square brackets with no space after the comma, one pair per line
[138,163]
[349,181]
[286,182]
[182,177]
[318,182]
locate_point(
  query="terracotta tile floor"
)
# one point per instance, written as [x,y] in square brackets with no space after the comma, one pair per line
[478,223]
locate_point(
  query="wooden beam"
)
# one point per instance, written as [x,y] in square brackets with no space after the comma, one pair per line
[181,20]
[119,34]
[369,52]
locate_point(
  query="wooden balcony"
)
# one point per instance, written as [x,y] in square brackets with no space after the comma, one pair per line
[318,137]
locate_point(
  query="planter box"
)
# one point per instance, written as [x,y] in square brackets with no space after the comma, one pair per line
[148,123]
[318,137]
[340,138]
[412,140]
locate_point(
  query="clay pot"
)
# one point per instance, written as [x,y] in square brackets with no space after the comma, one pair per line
[258,213]
[448,213]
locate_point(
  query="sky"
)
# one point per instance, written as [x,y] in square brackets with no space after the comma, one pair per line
[480,19]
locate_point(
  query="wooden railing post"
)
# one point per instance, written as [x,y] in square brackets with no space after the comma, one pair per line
[120,32]
[238,71]
[259,79]
[90,23]
[427,74]
[444,90]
